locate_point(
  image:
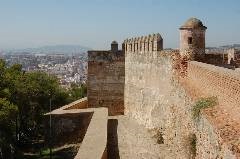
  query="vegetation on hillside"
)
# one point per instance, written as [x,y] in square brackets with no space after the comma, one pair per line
[24,99]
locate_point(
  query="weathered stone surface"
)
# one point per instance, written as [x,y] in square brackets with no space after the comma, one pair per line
[67,128]
[95,140]
[106,77]
[154,99]
[220,82]
[218,130]
[192,39]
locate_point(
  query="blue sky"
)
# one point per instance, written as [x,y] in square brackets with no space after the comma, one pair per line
[95,23]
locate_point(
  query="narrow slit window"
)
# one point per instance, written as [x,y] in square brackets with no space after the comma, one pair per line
[189,40]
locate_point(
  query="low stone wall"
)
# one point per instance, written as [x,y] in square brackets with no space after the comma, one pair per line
[67,127]
[78,104]
[214,59]
[95,140]
[87,127]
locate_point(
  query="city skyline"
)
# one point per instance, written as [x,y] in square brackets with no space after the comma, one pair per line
[96,23]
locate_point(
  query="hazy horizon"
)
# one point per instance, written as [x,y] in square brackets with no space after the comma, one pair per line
[95,23]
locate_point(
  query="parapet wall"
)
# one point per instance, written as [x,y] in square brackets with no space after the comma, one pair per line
[218,129]
[94,145]
[217,81]
[106,77]
[144,43]
[87,128]
[68,127]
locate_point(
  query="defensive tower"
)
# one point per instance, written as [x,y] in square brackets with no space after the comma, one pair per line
[192,39]
[114,46]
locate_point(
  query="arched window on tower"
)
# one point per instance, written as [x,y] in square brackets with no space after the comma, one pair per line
[190,40]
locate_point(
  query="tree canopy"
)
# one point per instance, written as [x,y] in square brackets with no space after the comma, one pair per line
[24,99]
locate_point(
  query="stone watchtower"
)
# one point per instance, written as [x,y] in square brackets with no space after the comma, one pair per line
[192,39]
[114,46]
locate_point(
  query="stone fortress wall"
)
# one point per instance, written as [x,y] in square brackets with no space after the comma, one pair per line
[152,98]
[143,80]
[106,76]
[158,88]
[158,98]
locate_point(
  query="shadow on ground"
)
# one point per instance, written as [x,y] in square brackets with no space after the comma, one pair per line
[112,139]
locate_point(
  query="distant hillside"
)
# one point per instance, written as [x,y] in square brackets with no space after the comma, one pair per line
[62,49]
[225,46]
[237,46]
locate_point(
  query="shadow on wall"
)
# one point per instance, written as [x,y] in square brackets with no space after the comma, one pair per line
[112,139]
[67,128]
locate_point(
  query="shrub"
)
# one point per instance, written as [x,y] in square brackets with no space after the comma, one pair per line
[202,104]
[193,145]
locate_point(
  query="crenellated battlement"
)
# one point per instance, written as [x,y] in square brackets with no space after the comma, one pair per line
[148,43]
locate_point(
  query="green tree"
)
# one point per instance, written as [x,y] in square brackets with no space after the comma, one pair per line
[32,93]
[77,91]
[2,78]
[8,113]
[24,99]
